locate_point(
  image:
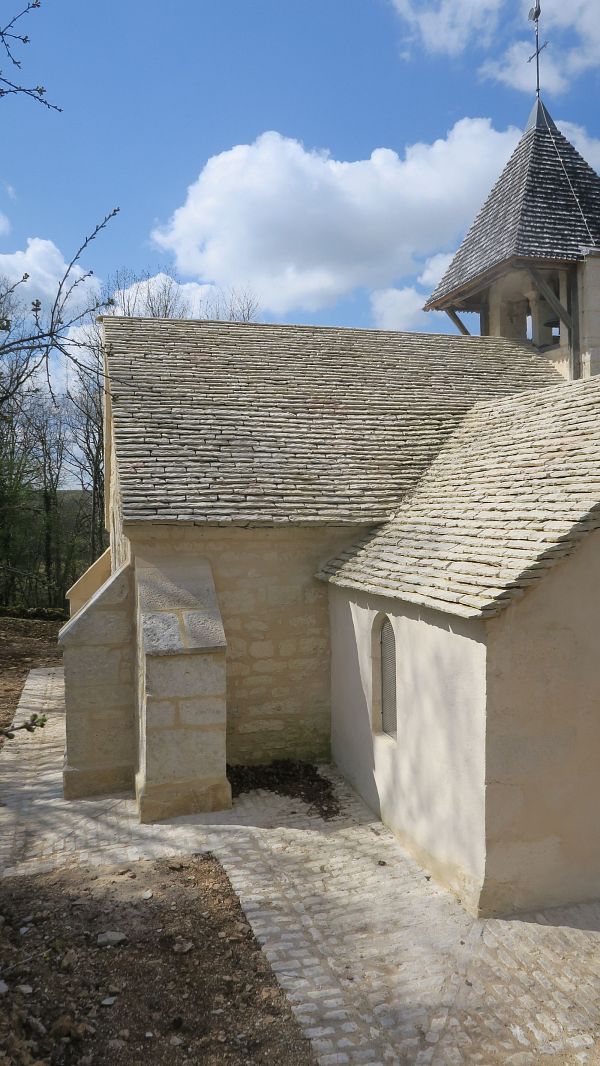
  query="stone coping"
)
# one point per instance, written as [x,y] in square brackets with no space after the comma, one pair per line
[179,611]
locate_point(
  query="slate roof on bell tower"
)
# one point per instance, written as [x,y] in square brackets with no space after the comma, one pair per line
[545,206]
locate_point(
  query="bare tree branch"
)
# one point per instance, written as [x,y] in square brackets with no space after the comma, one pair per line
[10,36]
[40,335]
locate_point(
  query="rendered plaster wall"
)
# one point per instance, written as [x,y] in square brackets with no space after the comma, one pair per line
[99,691]
[276,623]
[589,309]
[428,783]
[543,741]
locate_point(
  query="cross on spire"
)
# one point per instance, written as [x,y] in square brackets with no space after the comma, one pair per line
[534,16]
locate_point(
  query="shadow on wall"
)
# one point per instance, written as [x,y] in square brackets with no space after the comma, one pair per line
[429,782]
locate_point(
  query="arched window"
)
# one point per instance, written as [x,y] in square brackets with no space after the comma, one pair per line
[388,678]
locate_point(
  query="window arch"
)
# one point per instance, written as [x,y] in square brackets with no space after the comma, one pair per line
[387,679]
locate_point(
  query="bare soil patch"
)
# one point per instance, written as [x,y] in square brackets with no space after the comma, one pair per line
[188,985]
[298,780]
[24,644]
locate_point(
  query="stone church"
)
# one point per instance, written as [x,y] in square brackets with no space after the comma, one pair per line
[372,547]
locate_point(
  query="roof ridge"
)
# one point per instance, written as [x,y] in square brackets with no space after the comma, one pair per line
[560,143]
[128,320]
[529,183]
[512,163]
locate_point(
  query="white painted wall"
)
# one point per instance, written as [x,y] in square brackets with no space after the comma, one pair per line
[589,309]
[543,741]
[428,785]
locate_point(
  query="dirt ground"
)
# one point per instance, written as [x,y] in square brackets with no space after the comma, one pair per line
[24,644]
[188,985]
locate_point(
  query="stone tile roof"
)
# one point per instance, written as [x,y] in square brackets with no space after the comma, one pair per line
[242,423]
[544,206]
[510,495]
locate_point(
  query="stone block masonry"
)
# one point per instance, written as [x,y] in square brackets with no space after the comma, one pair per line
[276,621]
[208,645]
[89,582]
[181,671]
[98,660]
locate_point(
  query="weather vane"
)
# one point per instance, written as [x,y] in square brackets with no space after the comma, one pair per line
[534,16]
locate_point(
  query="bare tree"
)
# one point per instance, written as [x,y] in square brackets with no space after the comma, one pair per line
[26,344]
[145,295]
[10,38]
[161,295]
[231,305]
[86,446]
[18,469]
[47,418]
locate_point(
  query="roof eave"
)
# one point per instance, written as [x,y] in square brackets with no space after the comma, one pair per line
[453,299]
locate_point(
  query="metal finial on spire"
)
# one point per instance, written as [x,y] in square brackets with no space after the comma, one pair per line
[534,16]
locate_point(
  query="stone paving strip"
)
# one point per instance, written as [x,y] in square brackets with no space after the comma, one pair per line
[379,964]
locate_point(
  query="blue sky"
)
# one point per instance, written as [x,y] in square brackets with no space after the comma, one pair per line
[335,150]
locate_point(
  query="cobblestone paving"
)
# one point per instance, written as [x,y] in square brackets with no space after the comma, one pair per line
[379,964]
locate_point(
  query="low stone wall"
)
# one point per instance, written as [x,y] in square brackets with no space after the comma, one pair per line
[89,583]
[182,707]
[99,691]
[276,621]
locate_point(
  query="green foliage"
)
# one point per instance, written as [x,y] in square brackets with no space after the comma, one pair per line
[44,528]
[36,721]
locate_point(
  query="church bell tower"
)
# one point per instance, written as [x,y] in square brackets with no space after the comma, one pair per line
[530,264]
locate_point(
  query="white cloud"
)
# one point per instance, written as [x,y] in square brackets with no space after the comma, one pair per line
[451,26]
[588,147]
[45,264]
[514,70]
[4,225]
[434,270]
[302,229]
[580,22]
[400,309]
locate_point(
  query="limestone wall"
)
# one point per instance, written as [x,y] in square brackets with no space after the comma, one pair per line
[99,691]
[112,493]
[543,741]
[182,709]
[89,582]
[427,784]
[276,622]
